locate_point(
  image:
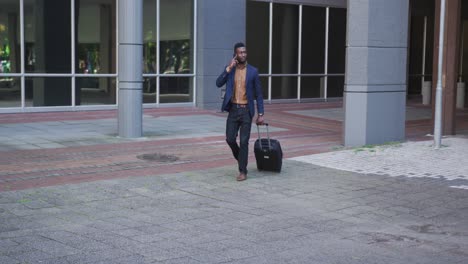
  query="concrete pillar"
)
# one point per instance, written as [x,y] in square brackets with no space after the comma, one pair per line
[130,69]
[376,62]
[450,63]
[220,24]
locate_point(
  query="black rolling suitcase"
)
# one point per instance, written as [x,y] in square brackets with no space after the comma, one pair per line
[268,153]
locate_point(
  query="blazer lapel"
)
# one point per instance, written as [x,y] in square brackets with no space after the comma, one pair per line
[246,76]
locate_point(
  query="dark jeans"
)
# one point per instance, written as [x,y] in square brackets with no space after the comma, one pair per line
[239,120]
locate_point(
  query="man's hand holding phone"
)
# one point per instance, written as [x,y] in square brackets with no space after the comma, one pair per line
[232,64]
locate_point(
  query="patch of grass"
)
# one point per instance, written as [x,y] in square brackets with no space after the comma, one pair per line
[372,147]
[334,148]
[24,201]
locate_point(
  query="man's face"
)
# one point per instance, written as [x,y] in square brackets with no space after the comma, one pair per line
[241,54]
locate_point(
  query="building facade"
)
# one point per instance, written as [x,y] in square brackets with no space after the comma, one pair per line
[71,55]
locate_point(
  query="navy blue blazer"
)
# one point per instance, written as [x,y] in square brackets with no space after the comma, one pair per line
[252,86]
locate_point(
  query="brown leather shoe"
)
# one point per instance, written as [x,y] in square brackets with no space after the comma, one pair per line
[242,177]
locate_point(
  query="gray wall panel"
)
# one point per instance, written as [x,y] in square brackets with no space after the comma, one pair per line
[355,106]
[386,112]
[377,23]
[375,88]
[212,95]
[374,118]
[376,66]
[221,23]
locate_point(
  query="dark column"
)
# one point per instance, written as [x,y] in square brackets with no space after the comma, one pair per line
[54,40]
[450,63]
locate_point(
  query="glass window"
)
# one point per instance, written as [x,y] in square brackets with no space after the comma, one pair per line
[284,87]
[313,39]
[149,90]
[95,51]
[149,36]
[264,82]
[95,91]
[337,40]
[285,38]
[10,92]
[176,89]
[49,91]
[312,87]
[176,36]
[10,61]
[48,36]
[335,86]
[257,34]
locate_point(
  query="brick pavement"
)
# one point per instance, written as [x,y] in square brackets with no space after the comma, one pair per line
[75,149]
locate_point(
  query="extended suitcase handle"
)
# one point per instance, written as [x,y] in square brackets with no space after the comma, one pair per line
[268,136]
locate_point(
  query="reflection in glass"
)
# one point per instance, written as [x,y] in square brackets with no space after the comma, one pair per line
[149,90]
[10,61]
[335,86]
[176,46]
[149,36]
[285,38]
[175,89]
[95,51]
[257,31]
[48,91]
[312,87]
[95,91]
[313,39]
[284,87]
[48,36]
[10,92]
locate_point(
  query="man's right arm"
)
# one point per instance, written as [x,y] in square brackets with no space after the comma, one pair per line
[222,78]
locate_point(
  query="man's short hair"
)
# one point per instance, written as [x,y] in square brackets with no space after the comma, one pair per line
[238,45]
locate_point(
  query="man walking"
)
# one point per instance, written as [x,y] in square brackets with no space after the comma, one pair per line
[242,88]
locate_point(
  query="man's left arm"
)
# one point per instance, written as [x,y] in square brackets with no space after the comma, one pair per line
[259,99]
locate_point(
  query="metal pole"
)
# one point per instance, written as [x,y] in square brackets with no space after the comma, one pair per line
[270,52]
[438,101]
[461,52]
[23,67]
[325,77]
[424,52]
[299,53]
[195,39]
[73,78]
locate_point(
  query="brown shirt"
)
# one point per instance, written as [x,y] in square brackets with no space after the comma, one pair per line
[240,94]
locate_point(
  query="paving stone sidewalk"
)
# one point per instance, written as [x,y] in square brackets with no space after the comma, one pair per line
[375,204]
[409,159]
[306,214]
